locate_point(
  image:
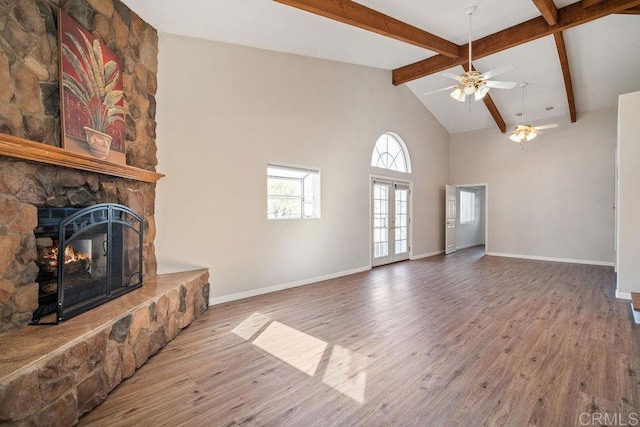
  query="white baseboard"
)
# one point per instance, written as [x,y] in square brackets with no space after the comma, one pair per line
[544,258]
[623,295]
[430,254]
[275,288]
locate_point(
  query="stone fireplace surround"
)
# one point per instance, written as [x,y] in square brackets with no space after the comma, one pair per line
[54,374]
[36,185]
[29,109]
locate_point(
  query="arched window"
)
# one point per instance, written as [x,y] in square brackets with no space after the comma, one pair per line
[391,153]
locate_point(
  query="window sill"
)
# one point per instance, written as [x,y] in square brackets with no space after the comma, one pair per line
[294,219]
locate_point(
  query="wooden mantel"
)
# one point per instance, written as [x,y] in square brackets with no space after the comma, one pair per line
[25,149]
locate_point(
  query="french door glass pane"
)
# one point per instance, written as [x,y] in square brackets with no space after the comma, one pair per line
[380,220]
[402,223]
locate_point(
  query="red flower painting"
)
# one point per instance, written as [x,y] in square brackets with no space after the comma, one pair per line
[92,95]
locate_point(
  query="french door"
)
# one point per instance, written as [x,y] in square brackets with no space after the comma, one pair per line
[390,222]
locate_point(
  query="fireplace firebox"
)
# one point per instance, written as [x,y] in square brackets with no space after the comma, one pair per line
[86,258]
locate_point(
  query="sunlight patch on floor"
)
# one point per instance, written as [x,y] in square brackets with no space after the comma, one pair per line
[300,350]
[346,370]
[347,373]
[251,325]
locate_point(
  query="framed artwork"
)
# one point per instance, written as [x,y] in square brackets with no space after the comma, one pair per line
[91,97]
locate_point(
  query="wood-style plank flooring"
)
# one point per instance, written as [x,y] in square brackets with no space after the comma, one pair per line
[463,339]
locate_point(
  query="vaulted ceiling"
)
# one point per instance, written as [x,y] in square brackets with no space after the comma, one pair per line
[576,56]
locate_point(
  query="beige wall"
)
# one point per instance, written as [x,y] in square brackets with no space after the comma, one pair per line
[628,203]
[224,111]
[551,199]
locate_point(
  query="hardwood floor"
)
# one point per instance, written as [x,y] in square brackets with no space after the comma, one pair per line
[463,339]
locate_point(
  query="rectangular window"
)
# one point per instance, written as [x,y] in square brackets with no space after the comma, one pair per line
[467,207]
[292,192]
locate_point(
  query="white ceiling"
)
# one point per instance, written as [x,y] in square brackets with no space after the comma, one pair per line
[604,55]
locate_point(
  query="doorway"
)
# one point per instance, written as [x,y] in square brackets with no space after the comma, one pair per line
[390,222]
[471,209]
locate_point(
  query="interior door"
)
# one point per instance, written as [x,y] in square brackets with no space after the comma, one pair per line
[390,222]
[450,219]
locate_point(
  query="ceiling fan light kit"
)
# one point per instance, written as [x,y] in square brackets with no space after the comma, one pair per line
[523,133]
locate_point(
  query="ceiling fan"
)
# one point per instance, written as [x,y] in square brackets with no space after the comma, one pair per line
[473,82]
[524,132]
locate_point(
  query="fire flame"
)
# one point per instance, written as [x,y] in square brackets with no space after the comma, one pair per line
[70,255]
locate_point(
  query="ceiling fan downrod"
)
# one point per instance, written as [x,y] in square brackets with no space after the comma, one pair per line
[469,11]
[522,85]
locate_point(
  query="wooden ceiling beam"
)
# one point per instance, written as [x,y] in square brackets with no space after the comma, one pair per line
[631,11]
[568,17]
[493,109]
[589,3]
[352,13]
[491,106]
[548,10]
[564,63]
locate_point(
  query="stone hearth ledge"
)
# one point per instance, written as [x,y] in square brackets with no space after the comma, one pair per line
[52,374]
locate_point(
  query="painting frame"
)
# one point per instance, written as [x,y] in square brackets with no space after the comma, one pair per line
[91,93]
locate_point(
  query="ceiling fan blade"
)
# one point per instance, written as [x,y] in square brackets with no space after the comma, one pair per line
[481,93]
[500,85]
[453,76]
[551,126]
[439,90]
[496,72]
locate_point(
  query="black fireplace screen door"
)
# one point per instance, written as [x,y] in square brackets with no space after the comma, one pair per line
[100,257]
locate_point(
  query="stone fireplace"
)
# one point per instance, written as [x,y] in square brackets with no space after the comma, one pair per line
[51,375]
[36,186]
[29,108]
